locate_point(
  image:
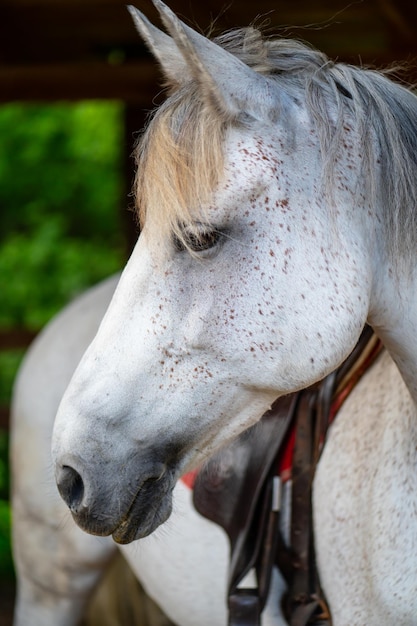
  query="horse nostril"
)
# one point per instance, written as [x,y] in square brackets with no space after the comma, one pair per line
[71,487]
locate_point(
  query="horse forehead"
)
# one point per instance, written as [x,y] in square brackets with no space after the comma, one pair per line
[258,147]
[272,155]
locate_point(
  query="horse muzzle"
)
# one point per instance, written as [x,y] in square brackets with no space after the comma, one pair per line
[129,507]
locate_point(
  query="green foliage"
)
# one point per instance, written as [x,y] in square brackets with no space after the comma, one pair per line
[40,270]
[60,191]
[60,194]
[61,160]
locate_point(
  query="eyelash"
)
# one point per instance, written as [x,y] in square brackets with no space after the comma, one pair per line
[197,241]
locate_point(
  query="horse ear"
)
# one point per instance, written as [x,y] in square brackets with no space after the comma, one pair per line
[162,46]
[226,82]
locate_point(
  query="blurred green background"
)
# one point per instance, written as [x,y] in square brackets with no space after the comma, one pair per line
[61,190]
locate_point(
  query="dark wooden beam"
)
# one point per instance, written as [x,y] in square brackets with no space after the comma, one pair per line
[133,82]
[72,49]
[58,31]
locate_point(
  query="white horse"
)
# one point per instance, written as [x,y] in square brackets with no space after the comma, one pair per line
[277,196]
[183,566]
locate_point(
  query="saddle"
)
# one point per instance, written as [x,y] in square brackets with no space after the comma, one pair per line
[240,489]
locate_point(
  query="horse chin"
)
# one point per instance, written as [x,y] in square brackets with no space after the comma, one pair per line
[139,523]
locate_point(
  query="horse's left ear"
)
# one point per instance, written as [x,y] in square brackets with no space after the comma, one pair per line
[226,82]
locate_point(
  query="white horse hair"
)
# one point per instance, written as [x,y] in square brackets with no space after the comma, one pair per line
[277,197]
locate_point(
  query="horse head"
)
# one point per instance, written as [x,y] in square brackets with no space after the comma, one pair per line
[251,277]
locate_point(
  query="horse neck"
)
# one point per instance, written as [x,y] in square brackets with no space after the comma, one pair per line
[393,316]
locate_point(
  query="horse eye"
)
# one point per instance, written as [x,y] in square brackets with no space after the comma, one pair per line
[197,241]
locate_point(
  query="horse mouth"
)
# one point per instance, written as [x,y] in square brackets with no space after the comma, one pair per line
[150,508]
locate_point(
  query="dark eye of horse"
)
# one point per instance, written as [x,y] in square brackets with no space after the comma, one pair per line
[197,241]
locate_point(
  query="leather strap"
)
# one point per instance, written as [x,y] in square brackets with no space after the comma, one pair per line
[244,608]
[304,602]
[301,540]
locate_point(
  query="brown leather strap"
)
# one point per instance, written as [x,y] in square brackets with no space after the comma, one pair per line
[244,608]
[302,478]
[304,600]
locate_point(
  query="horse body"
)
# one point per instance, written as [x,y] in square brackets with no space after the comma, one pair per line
[365,500]
[57,565]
